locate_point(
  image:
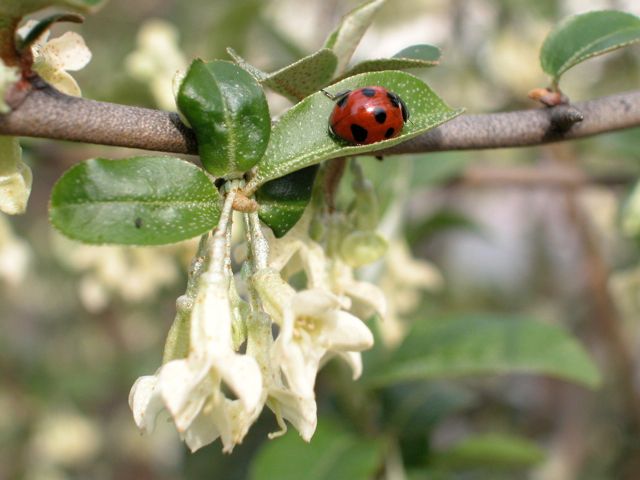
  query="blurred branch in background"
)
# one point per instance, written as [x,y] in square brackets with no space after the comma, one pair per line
[44,112]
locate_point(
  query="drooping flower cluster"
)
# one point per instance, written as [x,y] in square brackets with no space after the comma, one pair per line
[230,354]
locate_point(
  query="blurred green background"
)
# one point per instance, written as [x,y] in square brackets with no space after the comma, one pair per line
[79,324]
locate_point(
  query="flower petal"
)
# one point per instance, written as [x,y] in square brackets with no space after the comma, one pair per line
[145,402]
[315,264]
[314,302]
[242,374]
[275,293]
[354,359]
[202,431]
[343,331]
[184,386]
[299,364]
[211,316]
[300,411]
[367,299]
[60,79]
[66,52]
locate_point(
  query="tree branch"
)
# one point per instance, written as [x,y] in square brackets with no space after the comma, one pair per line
[44,112]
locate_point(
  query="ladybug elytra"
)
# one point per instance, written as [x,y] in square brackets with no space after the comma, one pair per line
[367,115]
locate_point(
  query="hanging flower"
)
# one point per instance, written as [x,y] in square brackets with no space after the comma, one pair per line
[300,411]
[297,251]
[190,389]
[313,324]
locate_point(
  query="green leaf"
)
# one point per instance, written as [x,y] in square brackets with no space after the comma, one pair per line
[421,51]
[301,137]
[333,453]
[346,37]
[283,200]
[416,56]
[298,80]
[135,201]
[19,8]
[581,37]
[490,451]
[481,344]
[255,72]
[229,114]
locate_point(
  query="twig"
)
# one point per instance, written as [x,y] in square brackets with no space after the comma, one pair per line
[47,113]
[550,177]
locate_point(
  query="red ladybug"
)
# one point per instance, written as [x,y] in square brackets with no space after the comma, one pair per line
[367,115]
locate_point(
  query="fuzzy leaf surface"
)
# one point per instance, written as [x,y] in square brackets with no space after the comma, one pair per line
[301,136]
[583,36]
[228,111]
[134,201]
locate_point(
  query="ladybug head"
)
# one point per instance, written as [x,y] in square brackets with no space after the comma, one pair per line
[397,101]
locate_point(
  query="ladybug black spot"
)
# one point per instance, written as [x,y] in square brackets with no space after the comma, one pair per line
[369,92]
[380,115]
[389,133]
[341,101]
[359,133]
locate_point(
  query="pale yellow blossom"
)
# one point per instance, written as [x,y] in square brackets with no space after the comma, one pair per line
[53,58]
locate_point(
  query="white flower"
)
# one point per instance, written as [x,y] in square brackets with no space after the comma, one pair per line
[15,177]
[52,58]
[157,60]
[191,388]
[367,299]
[300,410]
[312,326]
[297,251]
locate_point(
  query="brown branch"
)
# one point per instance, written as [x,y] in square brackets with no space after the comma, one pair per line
[44,112]
[549,177]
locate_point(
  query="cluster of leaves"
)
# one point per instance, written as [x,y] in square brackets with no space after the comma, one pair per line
[225,104]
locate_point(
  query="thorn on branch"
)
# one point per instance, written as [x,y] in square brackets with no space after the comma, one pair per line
[563,117]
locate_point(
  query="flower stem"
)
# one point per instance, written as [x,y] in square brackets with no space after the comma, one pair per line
[259,245]
[219,251]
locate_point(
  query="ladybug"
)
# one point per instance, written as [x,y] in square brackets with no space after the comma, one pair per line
[367,115]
